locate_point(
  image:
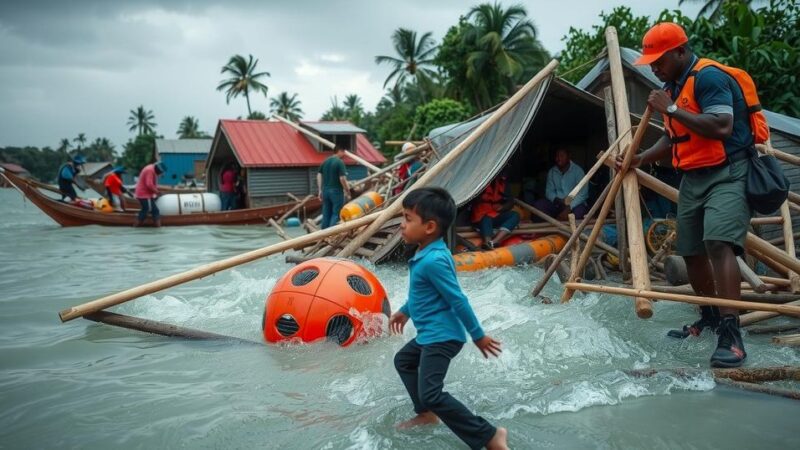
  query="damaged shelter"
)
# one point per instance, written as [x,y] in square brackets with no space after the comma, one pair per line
[276,159]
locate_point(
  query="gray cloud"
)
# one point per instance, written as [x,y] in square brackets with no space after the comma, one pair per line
[80,66]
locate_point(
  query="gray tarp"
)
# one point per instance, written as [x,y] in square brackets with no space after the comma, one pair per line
[472,171]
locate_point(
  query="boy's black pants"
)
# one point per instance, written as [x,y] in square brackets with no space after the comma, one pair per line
[422,369]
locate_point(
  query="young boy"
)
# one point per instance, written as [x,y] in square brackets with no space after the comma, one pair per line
[440,312]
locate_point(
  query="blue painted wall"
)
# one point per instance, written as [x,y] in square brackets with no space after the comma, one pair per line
[178,165]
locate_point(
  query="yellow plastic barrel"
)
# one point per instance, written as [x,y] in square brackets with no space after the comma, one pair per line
[524,253]
[360,206]
[103,205]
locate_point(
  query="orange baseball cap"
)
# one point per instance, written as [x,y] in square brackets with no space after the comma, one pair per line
[659,39]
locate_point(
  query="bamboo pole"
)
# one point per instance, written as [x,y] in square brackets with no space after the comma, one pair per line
[783,156]
[637,251]
[771,220]
[565,227]
[787,309]
[758,316]
[278,229]
[788,244]
[327,143]
[794,198]
[537,289]
[399,143]
[294,208]
[750,277]
[745,295]
[576,248]
[789,339]
[782,282]
[771,329]
[209,269]
[643,308]
[397,205]
[663,250]
[601,159]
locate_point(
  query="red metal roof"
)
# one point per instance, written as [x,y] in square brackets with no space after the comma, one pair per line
[14,168]
[261,143]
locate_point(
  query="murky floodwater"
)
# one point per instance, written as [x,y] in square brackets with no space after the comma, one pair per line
[559,383]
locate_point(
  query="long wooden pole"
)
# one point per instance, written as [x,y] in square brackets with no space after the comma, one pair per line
[637,252]
[619,205]
[573,237]
[599,163]
[161,328]
[616,184]
[787,309]
[758,316]
[394,208]
[327,143]
[209,269]
[783,156]
[788,244]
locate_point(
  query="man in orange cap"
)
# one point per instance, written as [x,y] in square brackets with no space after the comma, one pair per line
[709,136]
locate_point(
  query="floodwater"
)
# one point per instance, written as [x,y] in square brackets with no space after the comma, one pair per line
[560,382]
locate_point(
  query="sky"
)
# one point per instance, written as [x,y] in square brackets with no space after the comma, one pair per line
[80,66]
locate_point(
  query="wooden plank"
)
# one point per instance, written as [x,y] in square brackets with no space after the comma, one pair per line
[160,328]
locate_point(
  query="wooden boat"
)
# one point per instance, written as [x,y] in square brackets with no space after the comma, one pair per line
[97,186]
[69,215]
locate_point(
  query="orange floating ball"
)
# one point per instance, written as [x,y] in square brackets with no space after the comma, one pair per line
[325,298]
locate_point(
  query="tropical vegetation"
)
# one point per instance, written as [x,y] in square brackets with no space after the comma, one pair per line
[287,106]
[242,79]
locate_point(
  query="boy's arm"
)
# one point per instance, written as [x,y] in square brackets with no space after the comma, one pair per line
[442,274]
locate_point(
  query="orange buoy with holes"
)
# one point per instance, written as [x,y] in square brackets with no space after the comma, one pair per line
[326,298]
[524,253]
[360,206]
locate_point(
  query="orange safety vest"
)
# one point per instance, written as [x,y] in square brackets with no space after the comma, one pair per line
[692,151]
[492,195]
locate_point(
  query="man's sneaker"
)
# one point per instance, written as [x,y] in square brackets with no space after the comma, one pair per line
[730,347]
[709,318]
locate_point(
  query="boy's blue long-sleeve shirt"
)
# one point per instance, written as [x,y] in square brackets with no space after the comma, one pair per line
[437,306]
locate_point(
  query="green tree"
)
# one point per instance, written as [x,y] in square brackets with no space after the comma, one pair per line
[712,9]
[414,58]
[80,140]
[42,163]
[286,106]
[335,112]
[142,121]
[63,146]
[139,152]
[582,47]
[100,150]
[353,108]
[438,113]
[243,79]
[189,128]
[257,115]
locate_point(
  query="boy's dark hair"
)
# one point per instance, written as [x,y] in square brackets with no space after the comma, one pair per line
[432,203]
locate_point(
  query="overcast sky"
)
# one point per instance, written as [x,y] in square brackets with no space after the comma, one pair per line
[81,65]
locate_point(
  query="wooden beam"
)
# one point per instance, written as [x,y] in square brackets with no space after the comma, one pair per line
[601,159]
[771,220]
[619,206]
[565,227]
[788,244]
[160,328]
[783,156]
[294,208]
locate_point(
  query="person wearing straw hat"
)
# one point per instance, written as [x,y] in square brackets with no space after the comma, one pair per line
[68,177]
[709,136]
[115,188]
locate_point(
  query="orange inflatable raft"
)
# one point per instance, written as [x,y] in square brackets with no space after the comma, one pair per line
[360,206]
[524,253]
[325,298]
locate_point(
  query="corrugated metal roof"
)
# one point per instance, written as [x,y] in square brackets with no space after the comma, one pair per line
[261,143]
[91,168]
[777,121]
[183,145]
[333,127]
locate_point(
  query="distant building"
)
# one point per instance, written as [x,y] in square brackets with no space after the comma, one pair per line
[185,160]
[277,158]
[97,170]
[16,169]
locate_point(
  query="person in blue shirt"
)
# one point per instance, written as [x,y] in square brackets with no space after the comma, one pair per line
[561,179]
[441,313]
[67,177]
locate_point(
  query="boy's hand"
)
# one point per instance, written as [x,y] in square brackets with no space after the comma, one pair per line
[489,346]
[397,322]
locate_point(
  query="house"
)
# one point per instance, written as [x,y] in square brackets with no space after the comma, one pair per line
[16,169]
[640,80]
[276,159]
[185,159]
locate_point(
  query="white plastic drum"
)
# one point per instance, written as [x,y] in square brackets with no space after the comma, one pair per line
[180,204]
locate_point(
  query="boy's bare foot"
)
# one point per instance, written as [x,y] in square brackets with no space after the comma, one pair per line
[426,418]
[499,441]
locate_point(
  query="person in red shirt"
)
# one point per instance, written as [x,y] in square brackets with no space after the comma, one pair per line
[227,187]
[115,188]
[147,192]
[493,210]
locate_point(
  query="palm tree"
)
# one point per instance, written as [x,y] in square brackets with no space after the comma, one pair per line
[353,108]
[336,111]
[414,57]
[142,120]
[64,145]
[80,140]
[505,44]
[243,79]
[286,106]
[189,128]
